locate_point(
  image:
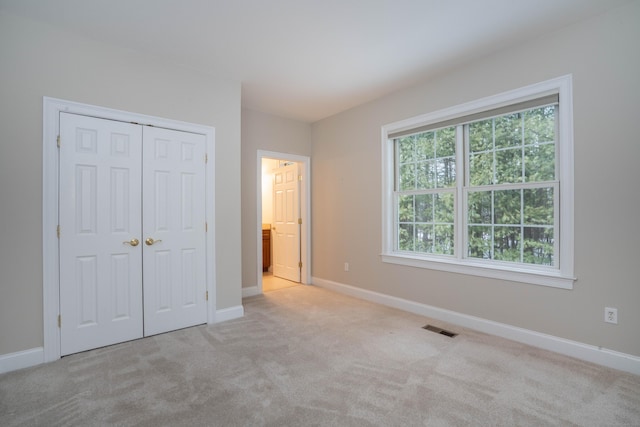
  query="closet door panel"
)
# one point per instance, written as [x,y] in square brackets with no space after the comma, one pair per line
[174,230]
[100,221]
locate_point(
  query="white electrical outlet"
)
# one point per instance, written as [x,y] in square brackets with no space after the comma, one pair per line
[611,315]
[346,266]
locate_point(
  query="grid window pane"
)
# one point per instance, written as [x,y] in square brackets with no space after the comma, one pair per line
[506,207]
[426,162]
[425,146]
[443,239]
[480,207]
[426,175]
[424,238]
[405,209]
[508,131]
[539,125]
[408,177]
[481,169]
[405,237]
[538,246]
[538,206]
[480,238]
[424,208]
[540,163]
[508,166]
[406,149]
[443,208]
[446,142]
[446,172]
[481,136]
[509,189]
[506,244]
[426,223]
[498,231]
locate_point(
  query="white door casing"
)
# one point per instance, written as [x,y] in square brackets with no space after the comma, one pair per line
[174,230]
[304,171]
[286,216]
[100,222]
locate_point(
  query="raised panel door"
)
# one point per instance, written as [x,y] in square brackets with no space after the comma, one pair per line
[100,215]
[286,234]
[174,230]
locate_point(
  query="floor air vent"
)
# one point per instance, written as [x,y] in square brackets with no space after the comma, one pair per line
[439,331]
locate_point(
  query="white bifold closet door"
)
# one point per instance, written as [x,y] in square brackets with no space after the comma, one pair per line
[132,231]
[173,215]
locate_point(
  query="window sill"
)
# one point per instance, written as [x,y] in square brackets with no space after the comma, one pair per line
[552,279]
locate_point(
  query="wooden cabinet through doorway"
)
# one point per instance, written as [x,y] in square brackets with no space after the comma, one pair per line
[266,248]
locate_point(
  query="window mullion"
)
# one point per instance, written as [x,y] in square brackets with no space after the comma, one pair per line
[522,225]
[493,152]
[493,226]
[522,179]
[433,163]
[522,145]
[462,179]
[556,224]
[415,165]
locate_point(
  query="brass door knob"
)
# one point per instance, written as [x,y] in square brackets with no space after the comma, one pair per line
[150,241]
[132,242]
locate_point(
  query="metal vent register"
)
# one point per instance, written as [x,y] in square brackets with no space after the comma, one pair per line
[439,331]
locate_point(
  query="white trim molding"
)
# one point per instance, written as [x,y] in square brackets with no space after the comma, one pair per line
[230,313]
[590,353]
[50,163]
[250,291]
[21,359]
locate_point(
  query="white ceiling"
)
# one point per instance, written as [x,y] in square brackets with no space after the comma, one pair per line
[309,59]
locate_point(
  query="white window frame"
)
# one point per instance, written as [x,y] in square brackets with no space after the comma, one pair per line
[561,276]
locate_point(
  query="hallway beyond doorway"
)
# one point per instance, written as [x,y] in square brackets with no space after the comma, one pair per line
[273,283]
[263,220]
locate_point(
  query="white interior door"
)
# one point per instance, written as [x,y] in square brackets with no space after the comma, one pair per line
[132,205]
[100,225]
[174,230]
[286,229]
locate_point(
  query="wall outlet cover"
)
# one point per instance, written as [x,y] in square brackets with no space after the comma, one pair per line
[611,315]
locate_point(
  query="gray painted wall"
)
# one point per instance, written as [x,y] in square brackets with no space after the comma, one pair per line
[36,61]
[604,58]
[261,131]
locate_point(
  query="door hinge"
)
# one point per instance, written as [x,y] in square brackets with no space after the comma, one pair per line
[58,141]
[299,177]
[206,158]
[300,264]
[58,231]
[300,221]
[206,295]
[59,321]
[206,227]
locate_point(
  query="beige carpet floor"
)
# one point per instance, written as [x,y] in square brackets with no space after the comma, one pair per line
[304,356]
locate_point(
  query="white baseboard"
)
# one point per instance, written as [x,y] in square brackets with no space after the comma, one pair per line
[21,359]
[250,291]
[229,313]
[35,356]
[601,356]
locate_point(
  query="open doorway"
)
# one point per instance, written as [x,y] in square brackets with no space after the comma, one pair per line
[283,216]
